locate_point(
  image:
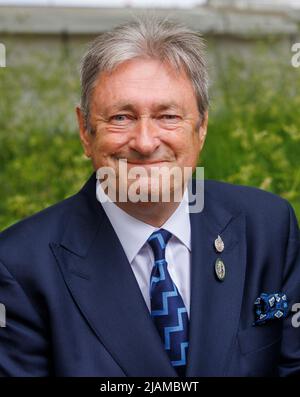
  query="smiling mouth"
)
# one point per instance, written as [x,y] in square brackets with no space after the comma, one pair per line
[146,162]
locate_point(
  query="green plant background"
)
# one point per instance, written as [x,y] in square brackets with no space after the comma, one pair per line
[253,136]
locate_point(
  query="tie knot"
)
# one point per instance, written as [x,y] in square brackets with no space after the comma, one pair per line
[158,242]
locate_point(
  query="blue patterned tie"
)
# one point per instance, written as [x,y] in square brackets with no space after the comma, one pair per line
[167,308]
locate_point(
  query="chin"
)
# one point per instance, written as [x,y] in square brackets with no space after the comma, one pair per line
[147,191]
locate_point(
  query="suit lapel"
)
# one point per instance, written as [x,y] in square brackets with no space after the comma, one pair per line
[215,305]
[100,280]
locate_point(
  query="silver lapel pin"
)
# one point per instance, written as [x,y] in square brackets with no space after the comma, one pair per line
[219,244]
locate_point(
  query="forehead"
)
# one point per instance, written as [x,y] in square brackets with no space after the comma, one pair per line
[144,83]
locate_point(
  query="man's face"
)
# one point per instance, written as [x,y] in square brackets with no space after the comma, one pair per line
[145,112]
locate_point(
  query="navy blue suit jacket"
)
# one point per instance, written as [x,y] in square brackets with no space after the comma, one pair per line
[74,308]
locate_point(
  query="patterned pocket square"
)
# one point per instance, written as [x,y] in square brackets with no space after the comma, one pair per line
[270,307]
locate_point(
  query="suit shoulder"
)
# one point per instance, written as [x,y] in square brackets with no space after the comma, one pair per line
[40,225]
[246,198]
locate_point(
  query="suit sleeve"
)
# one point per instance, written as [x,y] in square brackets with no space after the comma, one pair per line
[290,349]
[23,343]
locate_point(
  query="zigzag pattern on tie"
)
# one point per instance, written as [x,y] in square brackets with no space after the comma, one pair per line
[183,348]
[165,306]
[160,263]
[175,331]
[177,328]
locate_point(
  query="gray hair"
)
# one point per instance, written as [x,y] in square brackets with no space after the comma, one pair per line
[162,39]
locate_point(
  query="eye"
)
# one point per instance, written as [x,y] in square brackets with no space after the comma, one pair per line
[169,116]
[120,118]
[169,119]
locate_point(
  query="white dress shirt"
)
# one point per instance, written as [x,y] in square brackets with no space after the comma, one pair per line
[133,235]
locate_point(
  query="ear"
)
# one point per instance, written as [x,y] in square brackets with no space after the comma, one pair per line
[202,129]
[85,135]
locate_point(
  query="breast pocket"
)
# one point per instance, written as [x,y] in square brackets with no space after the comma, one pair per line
[260,337]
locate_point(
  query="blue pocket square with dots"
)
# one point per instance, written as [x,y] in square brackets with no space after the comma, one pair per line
[270,307]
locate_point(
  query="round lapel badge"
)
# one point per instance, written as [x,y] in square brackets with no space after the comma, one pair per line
[220,269]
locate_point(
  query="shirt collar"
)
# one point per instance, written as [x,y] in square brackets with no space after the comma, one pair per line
[134,233]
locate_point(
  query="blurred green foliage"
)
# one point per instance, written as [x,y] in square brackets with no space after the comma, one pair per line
[41,157]
[254,130]
[253,139]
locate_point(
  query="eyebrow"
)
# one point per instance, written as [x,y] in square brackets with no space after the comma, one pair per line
[131,108]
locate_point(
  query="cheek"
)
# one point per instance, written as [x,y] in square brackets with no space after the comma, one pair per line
[108,143]
[184,143]
[188,150]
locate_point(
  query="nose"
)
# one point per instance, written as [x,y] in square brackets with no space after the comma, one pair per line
[145,138]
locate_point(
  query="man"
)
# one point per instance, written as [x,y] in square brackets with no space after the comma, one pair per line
[101,286]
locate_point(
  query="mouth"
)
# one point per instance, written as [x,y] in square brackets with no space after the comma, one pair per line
[145,163]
